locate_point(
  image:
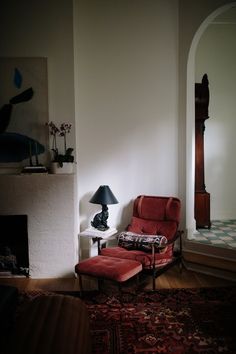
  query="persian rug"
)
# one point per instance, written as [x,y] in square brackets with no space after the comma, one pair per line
[178,321]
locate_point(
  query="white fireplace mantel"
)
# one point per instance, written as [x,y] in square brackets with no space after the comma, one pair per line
[48,201]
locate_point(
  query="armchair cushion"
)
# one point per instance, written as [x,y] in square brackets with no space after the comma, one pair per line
[133,241]
[151,227]
[157,208]
[145,258]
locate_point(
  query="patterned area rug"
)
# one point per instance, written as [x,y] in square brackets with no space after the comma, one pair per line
[178,321]
[166,321]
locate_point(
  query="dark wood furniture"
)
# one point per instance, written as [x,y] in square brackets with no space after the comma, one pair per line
[202,197]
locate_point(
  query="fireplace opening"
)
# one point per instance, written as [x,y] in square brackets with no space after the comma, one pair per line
[14,250]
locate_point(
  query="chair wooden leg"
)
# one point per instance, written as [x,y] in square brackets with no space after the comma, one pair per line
[100,283]
[80,286]
[153,282]
[180,267]
[137,281]
[153,268]
[120,288]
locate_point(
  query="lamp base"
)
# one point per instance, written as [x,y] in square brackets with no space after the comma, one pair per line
[100,220]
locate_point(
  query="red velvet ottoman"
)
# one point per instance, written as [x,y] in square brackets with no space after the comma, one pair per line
[112,268]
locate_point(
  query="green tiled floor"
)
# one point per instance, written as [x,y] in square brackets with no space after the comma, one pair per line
[221,234]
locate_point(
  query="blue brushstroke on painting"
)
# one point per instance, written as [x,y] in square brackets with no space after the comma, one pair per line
[17,78]
[16,147]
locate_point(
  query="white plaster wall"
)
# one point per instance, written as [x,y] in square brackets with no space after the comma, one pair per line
[45,29]
[216,55]
[131,60]
[194,17]
[127,58]
[46,200]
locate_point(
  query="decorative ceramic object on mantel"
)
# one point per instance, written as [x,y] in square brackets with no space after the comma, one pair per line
[61,163]
[66,168]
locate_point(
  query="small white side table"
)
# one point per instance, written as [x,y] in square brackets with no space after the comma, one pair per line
[91,239]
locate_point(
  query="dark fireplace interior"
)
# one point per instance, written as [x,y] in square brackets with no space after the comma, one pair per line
[14,252]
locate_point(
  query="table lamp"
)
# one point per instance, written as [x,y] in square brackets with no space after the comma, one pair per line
[102,196]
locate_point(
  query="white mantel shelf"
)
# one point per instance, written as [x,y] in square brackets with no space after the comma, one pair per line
[48,201]
[36,174]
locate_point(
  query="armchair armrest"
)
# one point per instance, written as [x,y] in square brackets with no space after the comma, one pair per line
[162,248]
[177,235]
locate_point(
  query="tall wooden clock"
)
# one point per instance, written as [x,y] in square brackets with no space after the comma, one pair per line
[202,197]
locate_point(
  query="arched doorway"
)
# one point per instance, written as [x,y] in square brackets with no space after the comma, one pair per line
[190,121]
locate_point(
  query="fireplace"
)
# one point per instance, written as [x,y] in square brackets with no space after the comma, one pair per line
[14,252]
[49,202]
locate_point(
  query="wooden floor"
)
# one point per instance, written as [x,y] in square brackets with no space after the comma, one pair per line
[171,279]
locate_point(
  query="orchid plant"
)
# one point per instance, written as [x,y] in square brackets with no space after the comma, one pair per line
[60,131]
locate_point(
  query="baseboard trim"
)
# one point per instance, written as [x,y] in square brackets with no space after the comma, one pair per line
[209,250]
[211,260]
[218,273]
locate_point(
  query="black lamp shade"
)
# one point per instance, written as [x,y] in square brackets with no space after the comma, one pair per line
[103,196]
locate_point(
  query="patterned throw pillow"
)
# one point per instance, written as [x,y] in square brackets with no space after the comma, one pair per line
[133,241]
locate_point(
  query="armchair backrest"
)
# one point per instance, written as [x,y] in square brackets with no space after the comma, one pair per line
[157,208]
[155,215]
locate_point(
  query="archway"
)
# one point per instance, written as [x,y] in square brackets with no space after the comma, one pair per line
[190,121]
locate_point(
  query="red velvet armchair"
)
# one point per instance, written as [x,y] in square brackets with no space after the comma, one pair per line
[152,215]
